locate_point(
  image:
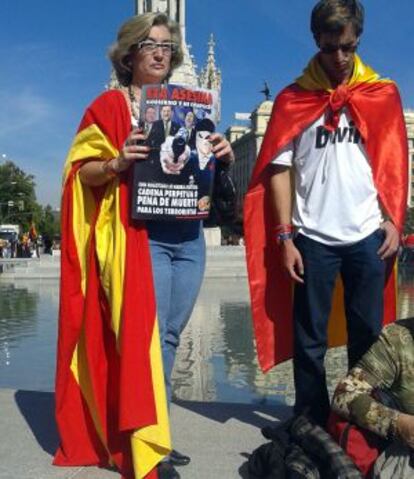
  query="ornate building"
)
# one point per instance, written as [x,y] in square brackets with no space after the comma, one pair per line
[246,140]
[409,121]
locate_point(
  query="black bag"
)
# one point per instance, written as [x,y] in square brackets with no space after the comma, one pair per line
[299,449]
[223,201]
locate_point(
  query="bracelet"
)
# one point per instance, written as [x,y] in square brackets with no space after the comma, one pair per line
[286,235]
[288,228]
[108,169]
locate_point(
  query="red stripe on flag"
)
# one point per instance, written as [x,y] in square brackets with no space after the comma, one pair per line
[79,442]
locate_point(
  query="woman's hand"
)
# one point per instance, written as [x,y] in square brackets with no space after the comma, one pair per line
[405,429]
[132,150]
[221,148]
[99,172]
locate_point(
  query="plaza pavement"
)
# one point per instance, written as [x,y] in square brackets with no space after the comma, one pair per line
[217,436]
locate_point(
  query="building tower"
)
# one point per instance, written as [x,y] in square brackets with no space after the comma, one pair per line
[210,75]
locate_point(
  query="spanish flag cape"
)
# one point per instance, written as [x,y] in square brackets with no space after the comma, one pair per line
[375,107]
[111,407]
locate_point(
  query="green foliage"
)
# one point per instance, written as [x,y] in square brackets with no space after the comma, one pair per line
[17,187]
[49,224]
[18,204]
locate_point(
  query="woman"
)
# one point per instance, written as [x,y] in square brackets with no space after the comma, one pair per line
[384,375]
[110,401]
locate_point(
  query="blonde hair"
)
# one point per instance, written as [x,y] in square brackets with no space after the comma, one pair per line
[135,30]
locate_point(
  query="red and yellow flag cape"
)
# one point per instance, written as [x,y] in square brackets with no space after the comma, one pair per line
[375,107]
[111,405]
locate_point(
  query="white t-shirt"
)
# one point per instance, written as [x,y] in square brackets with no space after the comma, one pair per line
[336,202]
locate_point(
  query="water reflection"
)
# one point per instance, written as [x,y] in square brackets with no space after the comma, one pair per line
[216,360]
[28,311]
[18,312]
[406,291]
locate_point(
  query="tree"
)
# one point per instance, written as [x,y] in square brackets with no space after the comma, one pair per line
[18,203]
[49,225]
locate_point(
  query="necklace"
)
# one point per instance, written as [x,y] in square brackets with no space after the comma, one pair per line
[134,104]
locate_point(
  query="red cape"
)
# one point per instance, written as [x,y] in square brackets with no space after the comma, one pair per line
[376,110]
[110,395]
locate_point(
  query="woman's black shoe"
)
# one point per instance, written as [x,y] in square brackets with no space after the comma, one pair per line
[177,459]
[166,470]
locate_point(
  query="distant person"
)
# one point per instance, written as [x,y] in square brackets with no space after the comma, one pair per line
[127,287]
[13,245]
[327,198]
[25,241]
[47,241]
[34,239]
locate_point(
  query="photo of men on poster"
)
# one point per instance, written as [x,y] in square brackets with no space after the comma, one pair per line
[176,180]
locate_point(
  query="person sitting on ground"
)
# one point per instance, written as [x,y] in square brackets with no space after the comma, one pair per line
[386,371]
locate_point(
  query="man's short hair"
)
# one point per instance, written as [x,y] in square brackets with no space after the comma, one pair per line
[332,16]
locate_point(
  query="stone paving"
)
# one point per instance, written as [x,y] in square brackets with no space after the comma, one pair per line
[217,434]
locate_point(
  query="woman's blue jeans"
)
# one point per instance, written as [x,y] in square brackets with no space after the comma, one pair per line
[178,261]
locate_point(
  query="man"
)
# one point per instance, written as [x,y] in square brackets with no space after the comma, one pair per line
[175,153]
[202,161]
[339,130]
[189,124]
[150,117]
[162,128]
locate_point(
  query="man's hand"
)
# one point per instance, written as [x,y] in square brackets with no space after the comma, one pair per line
[391,242]
[292,260]
[405,429]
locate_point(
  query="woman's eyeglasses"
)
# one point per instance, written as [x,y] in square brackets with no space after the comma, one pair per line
[148,46]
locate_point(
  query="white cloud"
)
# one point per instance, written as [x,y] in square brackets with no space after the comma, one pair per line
[22,110]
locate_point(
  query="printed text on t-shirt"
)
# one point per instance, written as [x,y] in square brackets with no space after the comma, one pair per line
[348,134]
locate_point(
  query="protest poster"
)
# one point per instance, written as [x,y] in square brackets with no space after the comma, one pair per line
[175,182]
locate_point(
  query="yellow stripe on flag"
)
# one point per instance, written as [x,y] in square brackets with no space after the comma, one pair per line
[315,78]
[152,443]
[111,244]
[89,143]
[79,368]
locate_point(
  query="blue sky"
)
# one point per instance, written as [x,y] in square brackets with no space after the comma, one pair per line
[53,63]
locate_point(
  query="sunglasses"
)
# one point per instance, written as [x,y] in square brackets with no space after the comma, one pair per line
[345,48]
